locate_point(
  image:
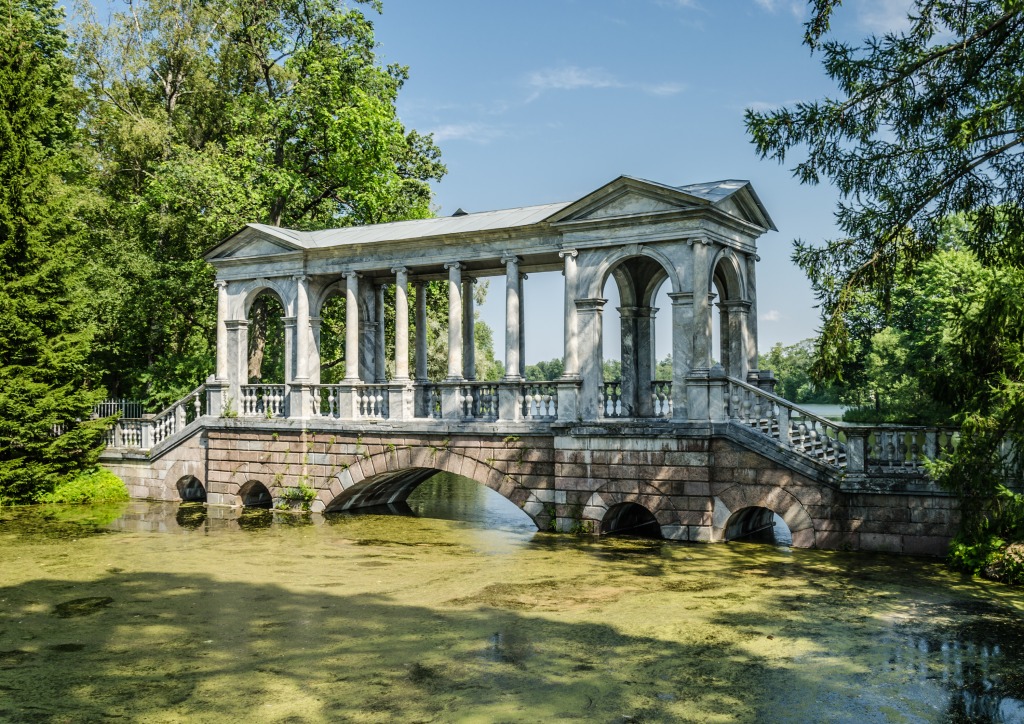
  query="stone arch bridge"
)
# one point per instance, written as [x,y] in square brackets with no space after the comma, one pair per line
[711,454]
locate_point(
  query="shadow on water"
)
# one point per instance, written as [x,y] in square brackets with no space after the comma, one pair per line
[774,635]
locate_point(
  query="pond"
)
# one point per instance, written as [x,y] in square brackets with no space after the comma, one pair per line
[167,612]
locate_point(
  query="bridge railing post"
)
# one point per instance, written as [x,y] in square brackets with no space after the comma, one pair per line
[509,407]
[215,397]
[147,432]
[401,403]
[300,400]
[718,384]
[697,400]
[451,401]
[568,400]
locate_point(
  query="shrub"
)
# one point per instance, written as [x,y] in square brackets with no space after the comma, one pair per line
[95,486]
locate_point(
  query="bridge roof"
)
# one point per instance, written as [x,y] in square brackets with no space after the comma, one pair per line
[734,197]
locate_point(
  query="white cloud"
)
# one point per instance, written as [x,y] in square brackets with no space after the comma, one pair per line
[772,315]
[474,132]
[665,89]
[571,77]
[797,9]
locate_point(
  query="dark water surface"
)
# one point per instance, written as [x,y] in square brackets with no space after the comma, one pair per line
[159,612]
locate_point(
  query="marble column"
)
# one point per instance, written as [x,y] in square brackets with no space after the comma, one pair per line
[454,320]
[682,350]
[401,323]
[522,327]
[421,331]
[351,328]
[468,328]
[302,328]
[570,358]
[314,358]
[628,359]
[750,337]
[589,333]
[380,375]
[702,299]
[738,311]
[512,317]
[645,361]
[222,330]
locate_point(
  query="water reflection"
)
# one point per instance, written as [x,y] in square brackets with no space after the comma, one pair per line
[411,613]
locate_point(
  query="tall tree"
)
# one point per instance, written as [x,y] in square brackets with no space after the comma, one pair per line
[45,384]
[208,115]
[929,127]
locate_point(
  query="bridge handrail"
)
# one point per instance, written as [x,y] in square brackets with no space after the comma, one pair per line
[145,432]
[853,448]
[801,430]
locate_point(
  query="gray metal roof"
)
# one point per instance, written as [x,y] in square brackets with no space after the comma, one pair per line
[418,228]
[713,193]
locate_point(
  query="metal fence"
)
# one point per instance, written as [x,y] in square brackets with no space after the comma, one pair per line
[128,408]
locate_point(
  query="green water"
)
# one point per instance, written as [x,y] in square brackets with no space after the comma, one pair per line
[155,612]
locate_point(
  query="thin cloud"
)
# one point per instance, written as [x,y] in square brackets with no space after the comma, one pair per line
[481,133]
[772,315]
[571,77]
[884,16]
[664,89]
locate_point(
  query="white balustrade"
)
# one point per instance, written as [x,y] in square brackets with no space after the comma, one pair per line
[479,400]
[611,399]
[661,398]
[372,402]
[432,401]
[262,401]
[539,400]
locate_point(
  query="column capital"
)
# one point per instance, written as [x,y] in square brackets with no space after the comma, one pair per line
[220,284]
[570,253]
[466,279]
[300,277]
[524,276]
[399,270]
[590,305]
[738,305]
[236,323]
[698,240]
[681,297]
[510,259]
[351,274]
[454,265]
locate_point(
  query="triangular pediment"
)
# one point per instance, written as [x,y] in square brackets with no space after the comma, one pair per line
[256,240]
[626,197]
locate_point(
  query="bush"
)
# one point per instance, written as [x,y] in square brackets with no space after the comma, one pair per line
[96,486]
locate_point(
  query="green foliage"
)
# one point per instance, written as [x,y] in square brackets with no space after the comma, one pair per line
[922,292]
[792,368]
[612,370]
[202,117]
[95,486]
[46,385]
[545,371]
[301,495]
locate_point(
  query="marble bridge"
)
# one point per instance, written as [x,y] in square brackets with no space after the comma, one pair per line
[711,454]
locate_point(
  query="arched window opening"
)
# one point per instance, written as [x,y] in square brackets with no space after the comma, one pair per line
[190,490]
[266,341]
[630,519]
[758,525]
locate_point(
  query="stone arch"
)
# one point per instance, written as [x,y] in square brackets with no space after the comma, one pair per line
[619,255]
[254,494]
[334,288]
[630,519]
[390,476]
[190,490]
[254,288]
[645,495]
[180,471]
[778,500]
[726,274]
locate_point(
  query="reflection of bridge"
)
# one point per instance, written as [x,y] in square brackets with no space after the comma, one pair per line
[707,455]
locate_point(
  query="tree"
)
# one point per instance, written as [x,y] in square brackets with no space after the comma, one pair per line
[206,116]
[46,386]
[792,368]
[929,128]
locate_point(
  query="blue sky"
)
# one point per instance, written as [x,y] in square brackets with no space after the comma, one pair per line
[536,102]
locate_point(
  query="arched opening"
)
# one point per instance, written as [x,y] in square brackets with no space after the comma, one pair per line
[630,519]
[729,323]
[254,494]
[429,493]
[266,340]
[190,490]
[758,525]
[629,342]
